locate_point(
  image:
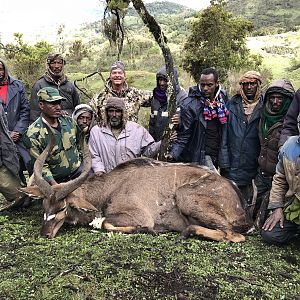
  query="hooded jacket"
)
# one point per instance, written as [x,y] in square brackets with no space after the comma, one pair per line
[159,117]
[268,156]
[66,89]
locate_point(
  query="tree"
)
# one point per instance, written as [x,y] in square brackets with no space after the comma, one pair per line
[26,62]
[77,52]
[218,39]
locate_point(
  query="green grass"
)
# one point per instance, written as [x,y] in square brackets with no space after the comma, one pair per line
[81,263]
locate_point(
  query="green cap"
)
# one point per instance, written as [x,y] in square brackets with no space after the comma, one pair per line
[49,94]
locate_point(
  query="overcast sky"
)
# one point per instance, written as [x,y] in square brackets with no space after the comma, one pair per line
[40,17]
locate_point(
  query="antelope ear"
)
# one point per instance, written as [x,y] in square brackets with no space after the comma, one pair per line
[81,204]
[32,191]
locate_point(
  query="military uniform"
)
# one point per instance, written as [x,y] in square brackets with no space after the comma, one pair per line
[134,99]
[65,157]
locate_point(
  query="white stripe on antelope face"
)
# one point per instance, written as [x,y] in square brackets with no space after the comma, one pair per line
[48,218]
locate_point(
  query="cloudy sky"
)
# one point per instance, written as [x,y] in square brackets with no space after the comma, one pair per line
[40,17]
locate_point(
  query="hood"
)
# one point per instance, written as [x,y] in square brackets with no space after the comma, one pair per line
[162,72]
[194,91]
[115,102]
[282,86]
[5,69]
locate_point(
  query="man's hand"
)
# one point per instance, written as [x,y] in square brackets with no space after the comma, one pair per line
[98,174]
[173,136]
[15,136]
[175,120]
[64,113]
[169,157]
[274,218]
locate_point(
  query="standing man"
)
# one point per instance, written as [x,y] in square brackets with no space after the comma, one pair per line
[9,163]
[202,115]
[159,105]
[277,100]
[116,86]
[64,163]
[240,141]
[283,223]
[16,106]
[54,77]
[118,140]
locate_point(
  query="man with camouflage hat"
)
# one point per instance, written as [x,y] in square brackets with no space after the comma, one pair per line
[64,162]
[116,86]
[56,78]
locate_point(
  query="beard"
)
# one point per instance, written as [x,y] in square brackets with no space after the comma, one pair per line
[115,122]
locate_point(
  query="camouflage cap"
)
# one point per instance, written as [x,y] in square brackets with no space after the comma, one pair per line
[117,65]
[49,94]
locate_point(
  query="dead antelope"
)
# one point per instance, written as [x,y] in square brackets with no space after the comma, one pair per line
[148,195]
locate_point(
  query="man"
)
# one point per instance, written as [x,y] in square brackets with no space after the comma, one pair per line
[9,163]
[277,100]
[159,104]
[54,77]
[16,106]
[118,140]
[283,223]
[64,163]
[240,141]
[116,86]
[84,116]
[290,127]
[202,116]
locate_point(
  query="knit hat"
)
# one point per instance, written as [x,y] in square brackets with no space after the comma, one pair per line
[49,94]
[52,56]
[115,102]
[80,109]
[117,65]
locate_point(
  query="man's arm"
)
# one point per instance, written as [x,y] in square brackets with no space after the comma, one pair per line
[97,161]
[149,147]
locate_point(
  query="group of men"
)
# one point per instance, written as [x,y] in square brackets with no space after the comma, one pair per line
[240,136]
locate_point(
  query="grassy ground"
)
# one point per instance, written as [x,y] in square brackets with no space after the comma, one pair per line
[81,263]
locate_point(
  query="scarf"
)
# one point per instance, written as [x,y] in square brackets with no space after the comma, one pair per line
[216,108]
[270,118]
[53,77]
[3,91]
[161,96]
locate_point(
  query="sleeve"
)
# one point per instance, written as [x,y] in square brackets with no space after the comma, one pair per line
[144,97]
[290,126]
[279,185]
[224,161]
[34,103]
[23,121]
[97,160]
[149,147]
[184,132]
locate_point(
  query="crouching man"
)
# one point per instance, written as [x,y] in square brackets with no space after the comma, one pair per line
[118,140]
[283,223]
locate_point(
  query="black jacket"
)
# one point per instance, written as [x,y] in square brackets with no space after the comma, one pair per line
[66,89]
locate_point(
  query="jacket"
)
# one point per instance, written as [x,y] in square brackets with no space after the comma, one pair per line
[286,181]
[268,156]
[159,117]
[8,151]
[134,99]
[240,144]
[290,127]
[107,151]
[190,143]
[66,89]
[65,157]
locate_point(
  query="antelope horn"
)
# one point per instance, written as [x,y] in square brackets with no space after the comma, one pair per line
[43,185]
[72,185]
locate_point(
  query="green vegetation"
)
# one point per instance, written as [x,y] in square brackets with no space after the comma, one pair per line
[81,263]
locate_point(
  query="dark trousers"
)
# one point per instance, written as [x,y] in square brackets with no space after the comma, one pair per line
[278,235]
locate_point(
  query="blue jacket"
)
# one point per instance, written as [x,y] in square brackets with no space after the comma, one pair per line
[240,144]
[190,143]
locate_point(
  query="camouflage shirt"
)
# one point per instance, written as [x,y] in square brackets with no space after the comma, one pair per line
[134,99]
[65,157]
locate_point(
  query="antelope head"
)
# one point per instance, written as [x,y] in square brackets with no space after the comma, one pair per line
[61,199]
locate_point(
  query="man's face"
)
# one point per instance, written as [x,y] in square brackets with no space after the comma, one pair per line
[56,66]
[51,109]
[163,83]
[117,77]
[84,120]
[250,89]
[275,101]
[208,85]
[115,117]
[2,72]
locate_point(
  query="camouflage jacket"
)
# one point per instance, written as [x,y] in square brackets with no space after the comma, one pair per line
[65,157]
[134,99]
